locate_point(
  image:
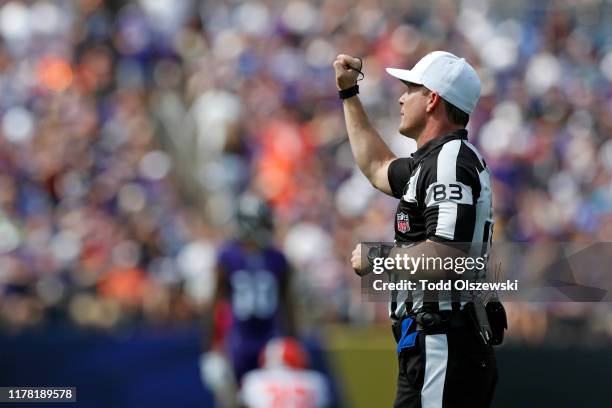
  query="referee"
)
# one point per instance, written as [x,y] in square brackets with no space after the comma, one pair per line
[444,197]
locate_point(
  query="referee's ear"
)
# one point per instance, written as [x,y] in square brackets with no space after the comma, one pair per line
[433,101]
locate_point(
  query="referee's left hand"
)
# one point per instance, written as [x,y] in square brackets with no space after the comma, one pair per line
[356,260]
[347,70]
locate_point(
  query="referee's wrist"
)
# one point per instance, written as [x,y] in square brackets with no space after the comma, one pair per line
[348,92]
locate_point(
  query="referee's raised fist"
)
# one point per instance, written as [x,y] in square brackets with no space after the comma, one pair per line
[347,70]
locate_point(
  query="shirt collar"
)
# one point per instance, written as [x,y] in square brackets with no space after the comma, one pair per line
[428,147]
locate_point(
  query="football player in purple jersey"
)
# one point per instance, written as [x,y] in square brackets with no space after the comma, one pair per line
[253,281]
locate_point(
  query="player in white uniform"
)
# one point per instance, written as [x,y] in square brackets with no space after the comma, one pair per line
[284,381]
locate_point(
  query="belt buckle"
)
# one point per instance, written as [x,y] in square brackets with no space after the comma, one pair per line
[428,320]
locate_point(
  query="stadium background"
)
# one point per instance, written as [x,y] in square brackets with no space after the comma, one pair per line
[127,130]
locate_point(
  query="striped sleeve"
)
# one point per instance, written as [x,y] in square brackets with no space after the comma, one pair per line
[449,188]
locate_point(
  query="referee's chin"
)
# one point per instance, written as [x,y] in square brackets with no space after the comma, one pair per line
[407,132]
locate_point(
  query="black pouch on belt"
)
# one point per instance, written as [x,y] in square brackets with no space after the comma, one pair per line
[470,311]
[497,320]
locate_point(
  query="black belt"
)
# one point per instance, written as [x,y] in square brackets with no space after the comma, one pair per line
[439,321]
[434,322]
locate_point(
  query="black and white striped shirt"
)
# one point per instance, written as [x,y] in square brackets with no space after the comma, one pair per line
[445,196]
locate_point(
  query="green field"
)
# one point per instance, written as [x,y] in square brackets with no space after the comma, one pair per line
[365,362]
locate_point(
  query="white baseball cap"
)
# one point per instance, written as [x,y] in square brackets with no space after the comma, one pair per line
[450,76]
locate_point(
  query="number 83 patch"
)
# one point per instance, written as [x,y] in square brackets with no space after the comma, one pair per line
[449,192]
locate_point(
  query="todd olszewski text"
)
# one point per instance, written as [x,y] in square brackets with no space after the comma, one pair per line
[448,284]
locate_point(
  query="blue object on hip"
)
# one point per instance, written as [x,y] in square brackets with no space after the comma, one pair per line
[409,335]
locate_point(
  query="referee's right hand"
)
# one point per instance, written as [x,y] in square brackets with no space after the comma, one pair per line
[347,70]
[356,261]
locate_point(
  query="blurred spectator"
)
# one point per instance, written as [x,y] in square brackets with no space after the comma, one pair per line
[127,130]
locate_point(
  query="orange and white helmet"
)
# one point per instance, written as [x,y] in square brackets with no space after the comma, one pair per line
[284,352]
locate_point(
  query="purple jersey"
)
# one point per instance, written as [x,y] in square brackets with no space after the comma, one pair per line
[254,281]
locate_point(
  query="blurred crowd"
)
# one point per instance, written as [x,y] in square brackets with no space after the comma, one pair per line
[128,129]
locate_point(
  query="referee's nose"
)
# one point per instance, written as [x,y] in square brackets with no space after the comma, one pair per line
[401,98]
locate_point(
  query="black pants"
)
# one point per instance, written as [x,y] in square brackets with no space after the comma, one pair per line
[448,370]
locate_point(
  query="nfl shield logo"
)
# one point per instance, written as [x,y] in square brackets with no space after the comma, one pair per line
[402,222]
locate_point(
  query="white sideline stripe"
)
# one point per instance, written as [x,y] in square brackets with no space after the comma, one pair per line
[436,356]
[447,173]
